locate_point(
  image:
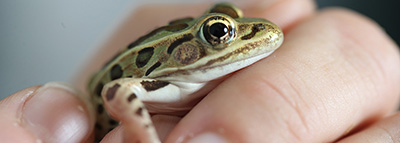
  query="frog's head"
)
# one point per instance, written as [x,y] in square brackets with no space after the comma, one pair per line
[222,41]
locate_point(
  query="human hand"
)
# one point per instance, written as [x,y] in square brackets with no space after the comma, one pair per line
[335,78]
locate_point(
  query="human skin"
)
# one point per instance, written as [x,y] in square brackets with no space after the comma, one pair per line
[336,78]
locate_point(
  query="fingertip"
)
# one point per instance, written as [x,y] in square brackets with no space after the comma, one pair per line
[55,113]
[9,110]
[15,101]
[49,113]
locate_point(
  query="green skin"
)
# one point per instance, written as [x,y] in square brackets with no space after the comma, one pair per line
[167,70]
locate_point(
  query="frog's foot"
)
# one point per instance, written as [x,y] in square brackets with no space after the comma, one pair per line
[120,99]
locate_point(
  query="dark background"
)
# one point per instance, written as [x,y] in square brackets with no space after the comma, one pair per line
[385,12]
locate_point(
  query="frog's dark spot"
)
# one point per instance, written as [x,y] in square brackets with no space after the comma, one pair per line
[144,56]
[99,88]
[153,85]
[112,122]
[111,92]
[98,126]
[116,72]
[131,97]
[152,68]
[176,27]
[100,109]
[139,111]
[170,28]
[188,53]
[256,28]
[178,42]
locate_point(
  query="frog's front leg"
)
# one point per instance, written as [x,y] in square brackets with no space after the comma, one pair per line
[122,100]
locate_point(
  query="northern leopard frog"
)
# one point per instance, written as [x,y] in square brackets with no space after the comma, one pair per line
[168,70]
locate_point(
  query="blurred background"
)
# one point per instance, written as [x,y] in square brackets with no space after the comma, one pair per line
[46,40]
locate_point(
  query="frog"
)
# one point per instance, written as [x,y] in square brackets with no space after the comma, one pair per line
[169,70]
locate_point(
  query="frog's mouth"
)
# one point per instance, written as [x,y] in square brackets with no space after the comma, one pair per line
[217,71]
[207,73]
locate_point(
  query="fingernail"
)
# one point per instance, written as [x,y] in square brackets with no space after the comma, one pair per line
[55,114]
[208,137]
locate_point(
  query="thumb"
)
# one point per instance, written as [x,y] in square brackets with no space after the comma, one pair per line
[49,113]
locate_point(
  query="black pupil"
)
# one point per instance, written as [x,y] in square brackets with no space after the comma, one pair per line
[218,29]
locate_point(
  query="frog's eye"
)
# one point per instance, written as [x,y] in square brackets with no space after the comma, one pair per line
[217,30]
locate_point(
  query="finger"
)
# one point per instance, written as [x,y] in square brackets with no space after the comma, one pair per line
[49,113]
[284,13]
[114,136]
[164,124]
[386,130]
[335,72]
